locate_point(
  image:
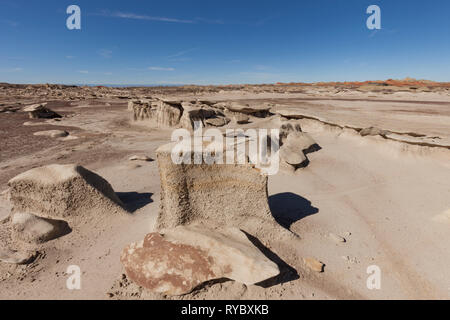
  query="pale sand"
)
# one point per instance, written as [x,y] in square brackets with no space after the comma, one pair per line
[381,196]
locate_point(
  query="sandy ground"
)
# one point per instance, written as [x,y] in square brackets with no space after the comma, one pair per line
[390,201]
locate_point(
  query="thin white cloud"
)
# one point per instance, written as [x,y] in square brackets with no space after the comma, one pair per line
[160,69]
[10,23]
[18,69]
[105,53]
[176,56]
[83,71]
[70,57]
[134,16]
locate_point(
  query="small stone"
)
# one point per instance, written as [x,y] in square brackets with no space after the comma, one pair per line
[33,229]
[52,133]
[336,238]
[140,158]
[15,257]
[314,264]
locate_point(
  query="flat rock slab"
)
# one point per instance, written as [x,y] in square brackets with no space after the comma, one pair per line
[178,260]
[32,229]
[52,133]
[15,257]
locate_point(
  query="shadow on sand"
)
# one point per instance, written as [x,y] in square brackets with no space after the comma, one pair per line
[288,207]
[135,200]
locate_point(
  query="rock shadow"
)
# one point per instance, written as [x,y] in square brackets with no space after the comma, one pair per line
[287,273]
[135,200]
[288,207]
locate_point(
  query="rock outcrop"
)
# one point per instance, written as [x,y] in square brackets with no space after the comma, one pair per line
[32,229]
[178,260]
[295,147]
[63,192]
[40,110]
[52,133]
[166,113]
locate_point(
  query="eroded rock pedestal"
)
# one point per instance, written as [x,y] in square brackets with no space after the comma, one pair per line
[213,194]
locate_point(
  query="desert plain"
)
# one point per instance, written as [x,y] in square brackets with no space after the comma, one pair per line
[374,190]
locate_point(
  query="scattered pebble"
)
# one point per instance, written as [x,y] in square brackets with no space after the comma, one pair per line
[314,264]
[336,238]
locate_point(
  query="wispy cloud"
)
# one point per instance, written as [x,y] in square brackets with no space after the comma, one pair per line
[181,53]
[83,71]
[70,57]
[180,56]
[9,23]
[134,16]
[18,69]
[160,69]
[105,53]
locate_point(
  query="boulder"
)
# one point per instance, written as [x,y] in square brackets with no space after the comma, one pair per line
[292,155]
[16,257]
[40,111]
[52,133]
[178,260]
[27,227]
[63,191]
[314,264]
[256,110]
[140,157]
[217,122]
[373,131]
[294,147]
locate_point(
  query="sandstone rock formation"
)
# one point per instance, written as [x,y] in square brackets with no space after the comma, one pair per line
[166,113]
[294,149]
[256,110]
[178,260]
[218,194]
[52,133]
[373,131]
[29,228]
[40,111]
[15,257]
[63,192]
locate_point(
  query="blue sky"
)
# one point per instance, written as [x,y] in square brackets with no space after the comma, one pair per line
[221,42]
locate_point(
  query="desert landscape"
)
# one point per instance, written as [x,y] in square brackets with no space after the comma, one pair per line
[87,180]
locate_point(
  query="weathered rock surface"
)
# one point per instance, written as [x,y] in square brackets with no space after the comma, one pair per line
[183,114]
[52,133]
[314,264]
[62,191]
[294,147]
[256,110]
[140,157]
[40,111]
[218,194]
[29,228]
[15,257]
[178,260]
[373,131]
